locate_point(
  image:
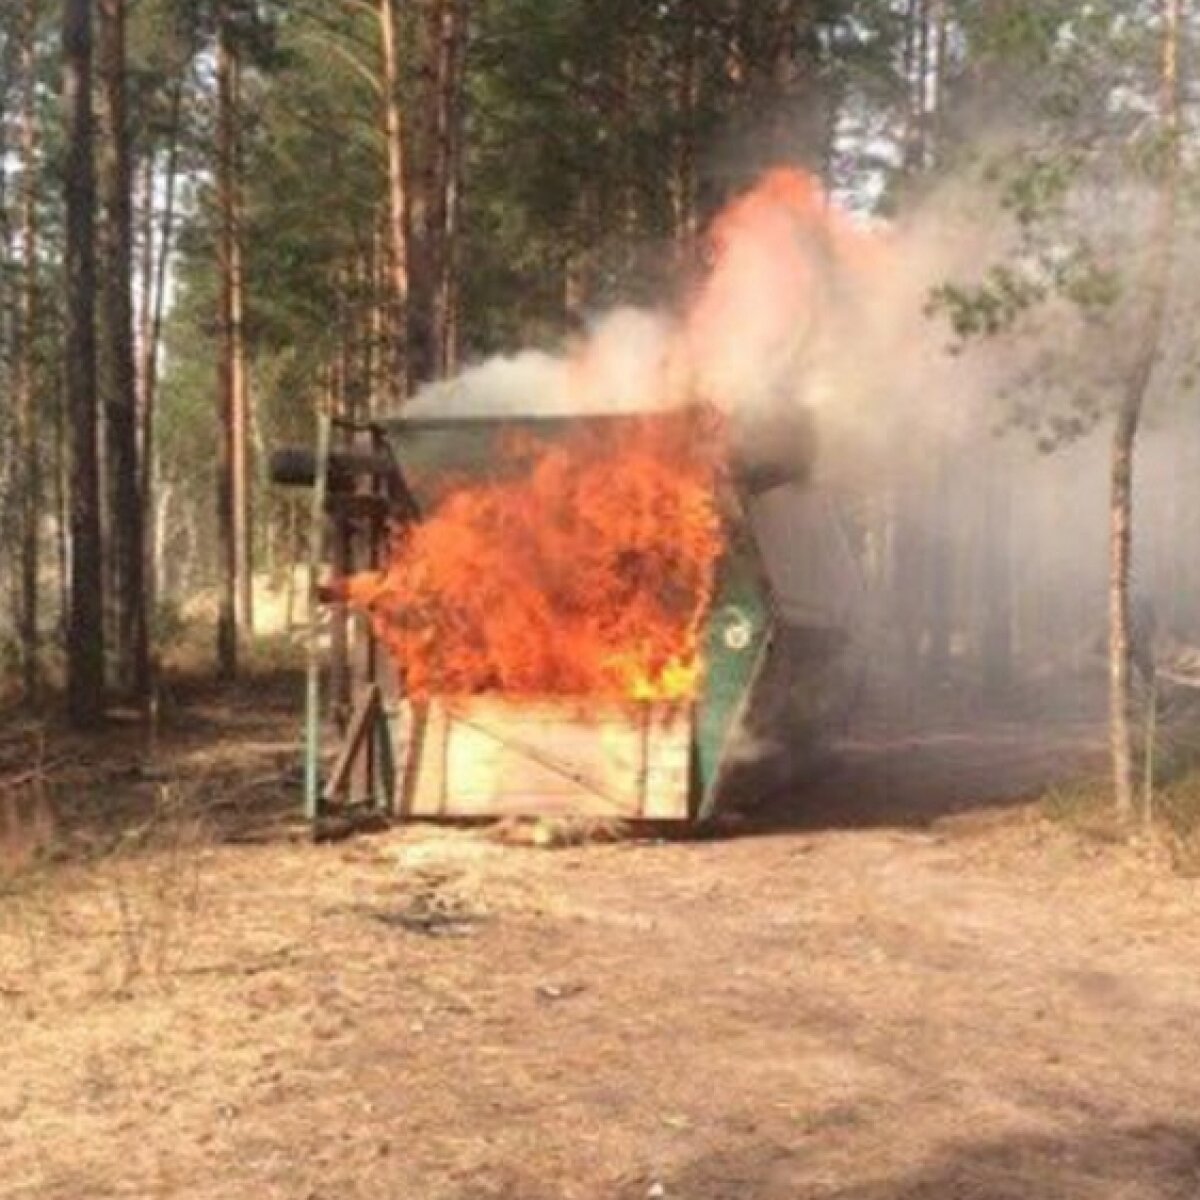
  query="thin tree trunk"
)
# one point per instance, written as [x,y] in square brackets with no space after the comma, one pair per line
[343,364]
[424,167]
[145,273]
[119,375]
[398,212]
[85,623]
[908,579]
[8,308]
[161,523]
[242,486]
[25,383]
[1120,642]
[150,350]
[1124,443]
[939,562]
[166,236]
[916,154]
[996,583]
[368,338]
[684,198]
[145,321]
[452,118]
[62,510]
[380,360]
[434,175]
[227,443]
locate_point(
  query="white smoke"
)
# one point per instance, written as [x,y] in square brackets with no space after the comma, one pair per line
[805,310]
[620,365]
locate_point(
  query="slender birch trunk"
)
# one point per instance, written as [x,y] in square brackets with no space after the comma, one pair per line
[1124,441]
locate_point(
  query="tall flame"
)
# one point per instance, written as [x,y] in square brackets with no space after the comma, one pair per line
[588,568]
[785,259]
[588,572]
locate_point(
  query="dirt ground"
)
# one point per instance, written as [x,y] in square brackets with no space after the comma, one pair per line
[906,983]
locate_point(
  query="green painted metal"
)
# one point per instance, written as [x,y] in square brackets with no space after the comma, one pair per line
[736,643]
[312,705]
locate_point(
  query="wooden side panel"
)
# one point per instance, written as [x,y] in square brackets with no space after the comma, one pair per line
[480,758]
[669,773]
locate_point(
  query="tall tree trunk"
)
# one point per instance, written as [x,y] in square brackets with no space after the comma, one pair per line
[153,340]
[85,622]
[398,209]
[422,174]
[909,579]
[939,562]
[1124,442]
[162,512]
[242,417]
[914,21]
[227,439]
[145,275]
[1121,740]
[452,119]
[62,509]
[118,360]
[434,176]
[145,352]
[683,184]
[380,293]
[25,382]
[996,583]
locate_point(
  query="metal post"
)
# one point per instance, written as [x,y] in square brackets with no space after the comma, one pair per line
[312,712]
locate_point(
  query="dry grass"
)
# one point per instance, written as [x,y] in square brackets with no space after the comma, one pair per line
[873,1016]
[128,908]
[910,1008]
[1178,804]
[103,840]
[1086,806]
[1168,816]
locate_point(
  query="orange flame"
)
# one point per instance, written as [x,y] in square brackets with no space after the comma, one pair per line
[588,570]
[783,254]
[590,573]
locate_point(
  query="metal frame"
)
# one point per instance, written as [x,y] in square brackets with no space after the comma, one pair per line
[354,523]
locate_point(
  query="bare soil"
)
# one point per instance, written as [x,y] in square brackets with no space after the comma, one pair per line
[904,984]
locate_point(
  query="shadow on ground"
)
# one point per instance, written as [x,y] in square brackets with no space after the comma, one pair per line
[1141,1162]
[883,779]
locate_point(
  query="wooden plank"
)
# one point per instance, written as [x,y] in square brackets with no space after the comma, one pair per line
[484,757]
[357,742]
[668,775]
[409,724]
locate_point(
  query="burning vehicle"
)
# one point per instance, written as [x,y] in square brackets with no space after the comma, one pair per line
[591,609]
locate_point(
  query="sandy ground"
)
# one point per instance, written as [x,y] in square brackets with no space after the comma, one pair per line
[901,987]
